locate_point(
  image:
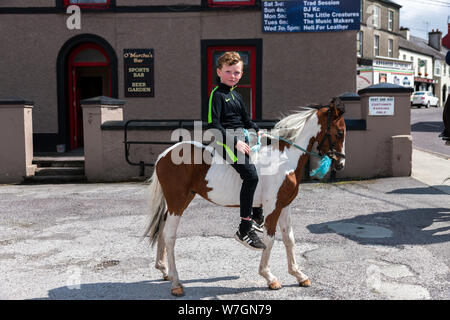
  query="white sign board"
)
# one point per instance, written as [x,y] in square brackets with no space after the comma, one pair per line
[381,106]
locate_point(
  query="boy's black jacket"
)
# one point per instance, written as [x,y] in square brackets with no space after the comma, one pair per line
[227,111]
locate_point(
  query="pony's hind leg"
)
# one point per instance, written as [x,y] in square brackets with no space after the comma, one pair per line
[160,263]
[169,236]
[289,242]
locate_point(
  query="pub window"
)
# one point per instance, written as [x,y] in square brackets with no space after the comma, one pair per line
[225,3]
[96,4]
[247,85]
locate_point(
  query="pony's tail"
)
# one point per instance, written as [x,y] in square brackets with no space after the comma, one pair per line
[157,209]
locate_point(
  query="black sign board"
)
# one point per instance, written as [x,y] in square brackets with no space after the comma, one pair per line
[139,74]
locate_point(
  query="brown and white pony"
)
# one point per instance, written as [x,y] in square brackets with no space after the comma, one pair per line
[174,185]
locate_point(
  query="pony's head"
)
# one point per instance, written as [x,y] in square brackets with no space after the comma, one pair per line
[331,139]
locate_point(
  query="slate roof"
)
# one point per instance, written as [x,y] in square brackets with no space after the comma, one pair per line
[421,46]
[391,3]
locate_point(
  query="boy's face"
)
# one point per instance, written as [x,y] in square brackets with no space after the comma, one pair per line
[230,75]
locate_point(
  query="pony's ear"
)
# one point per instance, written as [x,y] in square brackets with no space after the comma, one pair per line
[337,105]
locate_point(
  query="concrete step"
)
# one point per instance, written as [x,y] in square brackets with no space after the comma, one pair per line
[54,179]
[59,171]
[58,162]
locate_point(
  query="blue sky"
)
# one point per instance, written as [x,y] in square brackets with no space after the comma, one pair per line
[421,16]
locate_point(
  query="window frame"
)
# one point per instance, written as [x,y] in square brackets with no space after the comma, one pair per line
[391,18]
[256,80]
[359,40]
[390,48]
[376,45]
[233,3]
[376,17]
[252,85]
[100,6]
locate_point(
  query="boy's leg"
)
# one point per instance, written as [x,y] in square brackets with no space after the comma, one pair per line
[249,176]
[258,219]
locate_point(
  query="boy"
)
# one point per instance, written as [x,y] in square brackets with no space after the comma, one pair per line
[227,111]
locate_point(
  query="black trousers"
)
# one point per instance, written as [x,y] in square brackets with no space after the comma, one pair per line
[249,177]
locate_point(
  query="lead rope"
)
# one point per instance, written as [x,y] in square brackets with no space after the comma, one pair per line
[325,161]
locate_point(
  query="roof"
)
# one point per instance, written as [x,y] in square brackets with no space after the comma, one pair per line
[391,3]
[421,46]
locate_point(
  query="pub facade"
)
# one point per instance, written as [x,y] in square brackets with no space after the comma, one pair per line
[160,56]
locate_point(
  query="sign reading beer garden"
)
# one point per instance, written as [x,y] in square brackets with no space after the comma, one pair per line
[310,16]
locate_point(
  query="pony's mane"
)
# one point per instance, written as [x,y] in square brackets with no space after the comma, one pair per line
[291,126]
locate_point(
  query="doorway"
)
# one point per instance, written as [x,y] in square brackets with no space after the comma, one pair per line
[89,76]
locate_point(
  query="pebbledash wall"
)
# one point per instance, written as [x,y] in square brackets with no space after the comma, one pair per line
[287,70]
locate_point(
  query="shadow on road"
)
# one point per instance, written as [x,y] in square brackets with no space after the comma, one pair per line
[144,290]
[423,190]
[409,227]
[428,126]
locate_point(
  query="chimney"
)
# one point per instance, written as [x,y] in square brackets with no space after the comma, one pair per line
[434,39]
[404,32]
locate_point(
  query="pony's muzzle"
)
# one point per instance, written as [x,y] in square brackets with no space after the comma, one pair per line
[338,160]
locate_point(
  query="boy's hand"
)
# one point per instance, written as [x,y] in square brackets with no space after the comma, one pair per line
[242,147]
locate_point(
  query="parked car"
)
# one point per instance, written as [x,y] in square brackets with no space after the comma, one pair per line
[424,98]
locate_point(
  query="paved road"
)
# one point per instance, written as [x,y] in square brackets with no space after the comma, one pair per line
[426,125]
[376,239]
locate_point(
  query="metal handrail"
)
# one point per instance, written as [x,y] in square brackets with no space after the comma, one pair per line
[127,143]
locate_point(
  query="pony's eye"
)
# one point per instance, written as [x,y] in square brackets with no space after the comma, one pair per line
[340,134]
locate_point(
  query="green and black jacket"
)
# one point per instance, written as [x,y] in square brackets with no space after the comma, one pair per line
[227,111]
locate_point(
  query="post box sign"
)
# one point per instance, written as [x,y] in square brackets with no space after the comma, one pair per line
[310,15]
[381,106]
[139,73]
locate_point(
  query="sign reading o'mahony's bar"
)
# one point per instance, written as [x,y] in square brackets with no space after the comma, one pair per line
[139,74]
[310,15]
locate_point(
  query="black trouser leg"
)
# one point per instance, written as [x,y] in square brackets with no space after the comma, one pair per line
[258,213]
[249,176]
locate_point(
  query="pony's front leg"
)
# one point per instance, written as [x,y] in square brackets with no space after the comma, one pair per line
[264,269]
[284,223]
[170,236]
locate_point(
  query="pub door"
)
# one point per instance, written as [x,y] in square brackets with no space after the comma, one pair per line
[89,76]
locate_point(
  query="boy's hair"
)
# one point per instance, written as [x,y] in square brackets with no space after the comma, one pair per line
[229,58]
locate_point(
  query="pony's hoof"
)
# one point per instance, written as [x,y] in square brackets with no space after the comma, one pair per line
[306,283]
[178,292]
[166,278]
[275,285]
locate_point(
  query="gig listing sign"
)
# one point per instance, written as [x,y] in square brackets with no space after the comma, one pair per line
[139,74]
[310,16]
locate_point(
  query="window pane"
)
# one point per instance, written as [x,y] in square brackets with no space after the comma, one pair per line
[246,94]
[88,1]
[90,55]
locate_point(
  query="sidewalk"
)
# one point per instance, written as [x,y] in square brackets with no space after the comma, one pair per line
[431,169]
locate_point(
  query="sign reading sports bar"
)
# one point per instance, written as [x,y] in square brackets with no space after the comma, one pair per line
[310,16]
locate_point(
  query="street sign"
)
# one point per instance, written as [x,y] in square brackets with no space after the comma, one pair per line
[381,106]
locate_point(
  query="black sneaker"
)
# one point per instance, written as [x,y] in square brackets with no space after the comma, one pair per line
[258,224]
[250,240]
